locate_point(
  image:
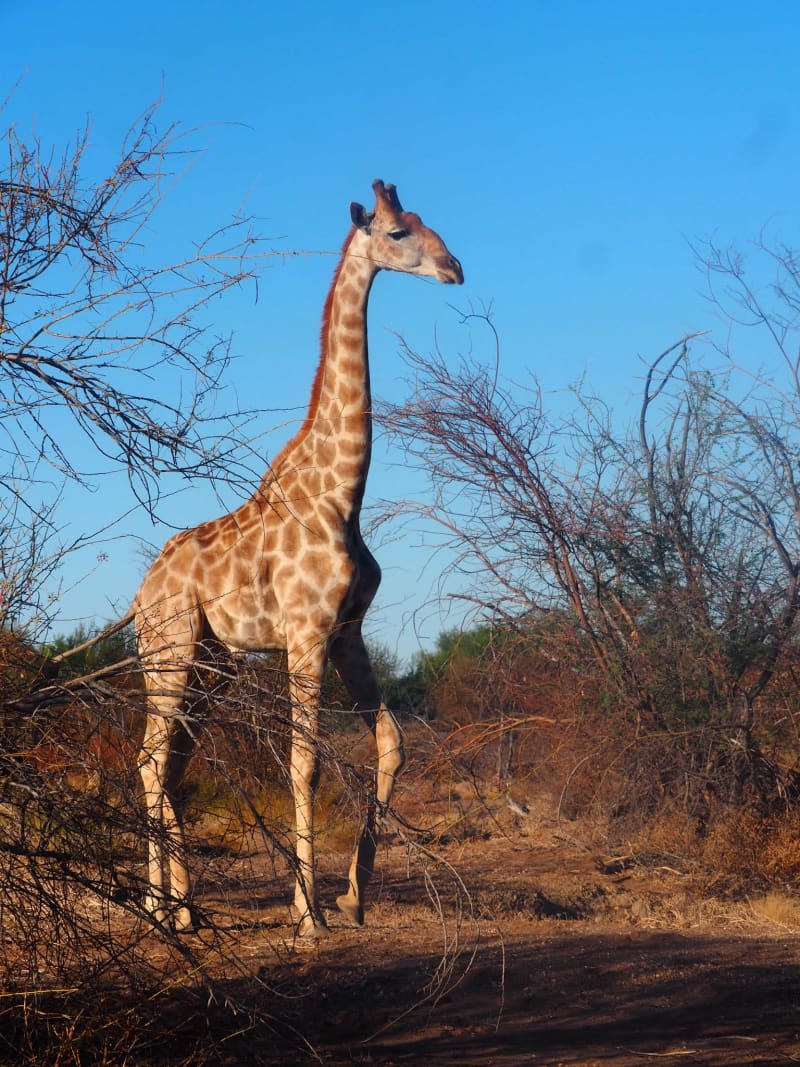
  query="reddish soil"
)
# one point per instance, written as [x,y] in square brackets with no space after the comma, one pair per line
[524,948]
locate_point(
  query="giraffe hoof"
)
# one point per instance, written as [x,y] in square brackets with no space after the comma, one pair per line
[158,913]
[352,911]
[312,929]
[317,931]
[184,922]
[307,925]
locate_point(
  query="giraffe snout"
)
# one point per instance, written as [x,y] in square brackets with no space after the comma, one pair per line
[450,272]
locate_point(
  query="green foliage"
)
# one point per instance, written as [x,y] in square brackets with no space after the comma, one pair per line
[112,649]
[414,691]
[457,644]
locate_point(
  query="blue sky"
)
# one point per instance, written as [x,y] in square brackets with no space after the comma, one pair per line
[568,153]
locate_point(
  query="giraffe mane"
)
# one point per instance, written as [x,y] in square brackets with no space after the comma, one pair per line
[316,387]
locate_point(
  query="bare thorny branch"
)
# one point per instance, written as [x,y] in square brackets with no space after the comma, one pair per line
[106,360]
[85,319]
[674,545]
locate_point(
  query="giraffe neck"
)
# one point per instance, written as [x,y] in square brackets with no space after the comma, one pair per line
[338,426]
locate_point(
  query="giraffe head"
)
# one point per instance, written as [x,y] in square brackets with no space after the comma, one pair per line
[399,240]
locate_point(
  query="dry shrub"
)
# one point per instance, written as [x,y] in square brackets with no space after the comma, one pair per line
[731,852]
[21,667]
[82,965]
[754,849]
[544,727]
[517,712]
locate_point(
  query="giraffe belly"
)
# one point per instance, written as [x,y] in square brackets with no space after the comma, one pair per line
[245,623]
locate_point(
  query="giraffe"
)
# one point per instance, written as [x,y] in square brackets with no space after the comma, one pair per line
[287,569]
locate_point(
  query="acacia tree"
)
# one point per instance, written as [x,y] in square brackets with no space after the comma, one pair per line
[673,542]
[104,350]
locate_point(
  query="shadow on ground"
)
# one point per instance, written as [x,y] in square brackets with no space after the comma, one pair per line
[579,998]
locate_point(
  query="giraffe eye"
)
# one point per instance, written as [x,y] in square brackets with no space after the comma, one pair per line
[397,235]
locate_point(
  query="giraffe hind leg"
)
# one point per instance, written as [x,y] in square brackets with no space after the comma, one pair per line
[166,750]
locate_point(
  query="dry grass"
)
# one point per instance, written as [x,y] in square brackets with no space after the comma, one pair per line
[778,908]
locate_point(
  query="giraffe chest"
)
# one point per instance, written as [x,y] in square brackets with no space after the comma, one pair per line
[273,578]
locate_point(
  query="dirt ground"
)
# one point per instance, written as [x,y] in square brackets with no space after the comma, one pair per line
[515,947]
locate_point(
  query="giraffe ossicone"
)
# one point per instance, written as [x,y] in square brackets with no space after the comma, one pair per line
[288,569]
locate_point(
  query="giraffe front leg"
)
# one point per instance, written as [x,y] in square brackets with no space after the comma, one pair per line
[304,684]
[391,757]
[390,761]
[351,659]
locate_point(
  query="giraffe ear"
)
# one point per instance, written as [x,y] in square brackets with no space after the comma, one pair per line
[362,219]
